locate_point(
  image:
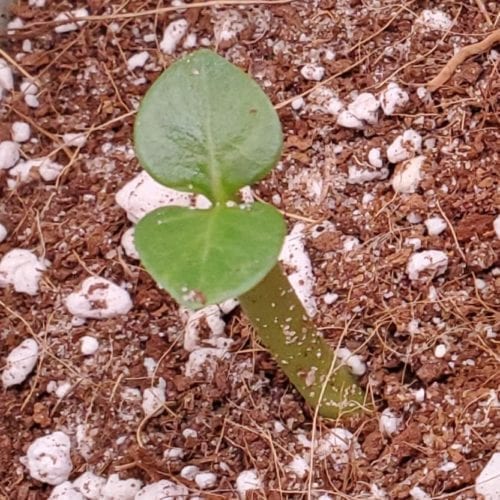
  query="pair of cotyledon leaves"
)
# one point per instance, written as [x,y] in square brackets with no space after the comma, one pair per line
[206,127]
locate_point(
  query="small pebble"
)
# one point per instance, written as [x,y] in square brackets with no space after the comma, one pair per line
[365,107]
[172,35]
[393,98]
[6,76]
[404,146]
[496,226]
[298,103]
[31,101]
[440,351]
[348,120]
[3,233]
[408,175]
[435,225]
[205,480]
[313,72]
[137,60]
[434,262]
[89,345]
[189,472]
[9,154]
[20,131]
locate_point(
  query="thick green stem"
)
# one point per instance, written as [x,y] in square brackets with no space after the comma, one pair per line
[309,362]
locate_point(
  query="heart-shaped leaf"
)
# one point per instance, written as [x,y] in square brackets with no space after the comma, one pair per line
[206,126]
[204,257]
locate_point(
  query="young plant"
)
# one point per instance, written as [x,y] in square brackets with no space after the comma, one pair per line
[206,127]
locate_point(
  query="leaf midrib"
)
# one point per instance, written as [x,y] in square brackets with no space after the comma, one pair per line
[213,171]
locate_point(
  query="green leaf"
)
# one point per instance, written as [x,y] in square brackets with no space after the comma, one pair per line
[204,257]
[206,126]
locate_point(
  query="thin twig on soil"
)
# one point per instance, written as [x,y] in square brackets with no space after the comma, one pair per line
[324,82]
[153,12]
[464,53]
[19,68]
[383,28]
[452,231]
[421,57]
[484,12]
[34,124]
[333,367]
[43,344]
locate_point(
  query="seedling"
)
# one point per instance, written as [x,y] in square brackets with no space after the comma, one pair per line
[206,127]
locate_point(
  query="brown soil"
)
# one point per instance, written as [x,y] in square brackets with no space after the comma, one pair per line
[76,224]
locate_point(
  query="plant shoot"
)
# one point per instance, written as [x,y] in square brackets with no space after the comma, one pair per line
[206,127]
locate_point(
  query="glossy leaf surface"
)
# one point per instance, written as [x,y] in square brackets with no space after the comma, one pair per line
[203,257]
[206,126]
